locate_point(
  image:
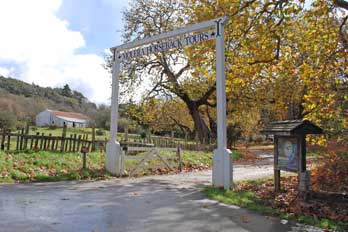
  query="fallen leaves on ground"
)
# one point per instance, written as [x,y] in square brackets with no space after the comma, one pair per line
[135,194]
[248,157]
[196,167]
[287,201]
[245,218]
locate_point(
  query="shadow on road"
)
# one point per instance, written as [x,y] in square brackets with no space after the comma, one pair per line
[143,204]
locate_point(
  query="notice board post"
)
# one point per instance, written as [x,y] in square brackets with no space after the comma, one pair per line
[290,149]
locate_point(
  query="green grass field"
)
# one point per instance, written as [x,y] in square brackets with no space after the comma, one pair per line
[25,166]
[70,131]
[88,131]
[54,166]
[49,166]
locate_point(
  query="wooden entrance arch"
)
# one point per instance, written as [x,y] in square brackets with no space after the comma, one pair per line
[185,36]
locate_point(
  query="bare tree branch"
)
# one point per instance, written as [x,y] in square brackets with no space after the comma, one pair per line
[343,36]
[341,3]
[182,126]
[204,99]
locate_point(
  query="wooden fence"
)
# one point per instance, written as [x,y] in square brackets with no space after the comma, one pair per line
[171,143]
[23,140]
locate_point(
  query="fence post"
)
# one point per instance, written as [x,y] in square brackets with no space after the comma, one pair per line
[31,142]
[45,142]
[74,143]
[8,140]
[126,133]
[56,144]
[22,139]
[93,139]
[78,142]
[18,139]
[89,146]
[36,146]
[84,151]
[3,139]
[62,144]
[179,155]
[70,142]
[26,135]
[42,141]
[52,143]
[49,139]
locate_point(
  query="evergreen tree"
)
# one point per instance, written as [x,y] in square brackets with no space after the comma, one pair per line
[66,91]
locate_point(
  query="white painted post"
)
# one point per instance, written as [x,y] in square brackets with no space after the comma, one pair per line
[222,161]
[113,148]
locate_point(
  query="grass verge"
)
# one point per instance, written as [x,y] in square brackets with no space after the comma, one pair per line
[50,166]
[251,200]
[28,166]
[246,199]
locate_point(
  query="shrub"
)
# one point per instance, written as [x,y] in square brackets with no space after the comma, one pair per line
[143,135]
[18,175]
[332,173]
[7,119]
[52,127]
[100,132]
[122,124]
[20,125]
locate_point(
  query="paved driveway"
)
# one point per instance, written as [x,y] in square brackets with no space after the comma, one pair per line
[157,203]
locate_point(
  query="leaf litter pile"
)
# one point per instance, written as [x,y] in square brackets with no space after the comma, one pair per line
[287,201]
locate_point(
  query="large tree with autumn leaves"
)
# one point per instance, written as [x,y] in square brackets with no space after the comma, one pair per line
[168,72]
[285,60]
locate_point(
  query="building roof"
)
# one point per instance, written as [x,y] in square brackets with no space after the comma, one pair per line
[292,127]
[76,120]
[69,116]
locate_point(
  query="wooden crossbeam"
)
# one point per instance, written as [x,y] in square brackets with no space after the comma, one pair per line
[150,153]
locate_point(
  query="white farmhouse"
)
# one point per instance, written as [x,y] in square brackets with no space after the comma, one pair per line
[61,118]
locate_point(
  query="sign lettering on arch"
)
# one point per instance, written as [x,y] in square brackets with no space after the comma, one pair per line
[161,46]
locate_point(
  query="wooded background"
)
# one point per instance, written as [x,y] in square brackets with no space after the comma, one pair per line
[285,60]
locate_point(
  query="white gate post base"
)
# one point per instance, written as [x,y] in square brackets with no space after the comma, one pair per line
[113,157]
[222,168]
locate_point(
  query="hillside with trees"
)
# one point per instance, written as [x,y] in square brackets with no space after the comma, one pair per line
[20,101]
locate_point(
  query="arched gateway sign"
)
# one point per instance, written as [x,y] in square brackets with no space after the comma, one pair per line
[189,35]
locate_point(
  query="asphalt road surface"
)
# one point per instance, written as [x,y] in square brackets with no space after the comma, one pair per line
[156,203]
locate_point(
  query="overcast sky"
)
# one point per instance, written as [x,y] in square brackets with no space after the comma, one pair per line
[53,42]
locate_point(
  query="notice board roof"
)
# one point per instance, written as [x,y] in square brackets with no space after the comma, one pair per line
[292,127]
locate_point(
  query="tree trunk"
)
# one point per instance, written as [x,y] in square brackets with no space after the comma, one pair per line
[201,129]
[212,124]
